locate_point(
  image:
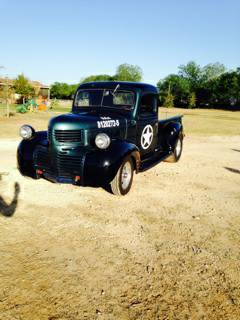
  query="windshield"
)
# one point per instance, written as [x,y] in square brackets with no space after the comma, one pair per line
[105,98]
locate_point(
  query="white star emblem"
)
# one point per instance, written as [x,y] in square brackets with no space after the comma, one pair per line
[147,136]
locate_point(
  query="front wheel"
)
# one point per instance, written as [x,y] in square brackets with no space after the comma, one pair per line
[122,182]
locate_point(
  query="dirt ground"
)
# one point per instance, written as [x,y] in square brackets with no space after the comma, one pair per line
[168,250]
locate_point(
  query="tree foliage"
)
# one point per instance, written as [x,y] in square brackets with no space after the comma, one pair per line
[211,71]
[192,100]
[169,101]
[6,91]
[128,72]
[192,73]
[209,86]
[124,72]
[22,86]
[99,77]
[61,90]
[179,87]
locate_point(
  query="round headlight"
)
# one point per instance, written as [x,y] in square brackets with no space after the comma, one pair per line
[102,141]
[26,132]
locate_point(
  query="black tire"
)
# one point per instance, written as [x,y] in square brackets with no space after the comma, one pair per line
[177,152]
[121,185]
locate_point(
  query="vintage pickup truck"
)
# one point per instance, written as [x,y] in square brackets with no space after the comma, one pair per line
[112,131]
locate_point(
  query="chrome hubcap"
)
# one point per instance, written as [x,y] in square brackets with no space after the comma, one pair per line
[178,148]
[126,175]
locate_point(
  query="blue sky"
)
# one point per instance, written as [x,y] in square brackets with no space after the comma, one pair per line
[68,40]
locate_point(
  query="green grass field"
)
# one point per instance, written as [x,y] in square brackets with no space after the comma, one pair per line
[206,122]
[196,121]
[59,108]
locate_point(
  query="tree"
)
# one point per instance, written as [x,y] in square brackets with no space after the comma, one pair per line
[22,86]
[192,100]
[222,91]
[227,89]
[128,72]
[6,94]
[209,86]
[212,70]
[169,99]
[99,77]
[192,73]
[125,72]
[61,90]
[179,88]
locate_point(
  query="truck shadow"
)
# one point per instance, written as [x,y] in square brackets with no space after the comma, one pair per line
[232,170]
[6,209]
[107,188]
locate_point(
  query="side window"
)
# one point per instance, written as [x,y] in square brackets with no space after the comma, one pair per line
[148,104]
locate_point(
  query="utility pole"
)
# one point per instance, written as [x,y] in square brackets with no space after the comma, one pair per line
[8,113]
[1,67]
[7,90]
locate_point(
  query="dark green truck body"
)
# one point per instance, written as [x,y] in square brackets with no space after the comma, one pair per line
[128,114]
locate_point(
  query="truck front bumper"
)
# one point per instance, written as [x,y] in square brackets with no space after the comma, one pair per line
[78,166]
[60,166]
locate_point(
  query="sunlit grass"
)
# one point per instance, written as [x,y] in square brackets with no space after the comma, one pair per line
[206,122]
[196,121]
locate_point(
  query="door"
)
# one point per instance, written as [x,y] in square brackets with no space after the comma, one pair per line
[147,124]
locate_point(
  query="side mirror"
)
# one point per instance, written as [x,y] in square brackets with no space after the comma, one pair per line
[72,96]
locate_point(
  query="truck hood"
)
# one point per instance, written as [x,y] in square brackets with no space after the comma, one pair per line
[88,120]
[82,128]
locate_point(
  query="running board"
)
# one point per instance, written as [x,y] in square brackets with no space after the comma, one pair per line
[154,160]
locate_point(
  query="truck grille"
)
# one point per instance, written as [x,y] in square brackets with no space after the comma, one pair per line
[49,134]
[41,158]
[59,164]
[69,166]
[68,135]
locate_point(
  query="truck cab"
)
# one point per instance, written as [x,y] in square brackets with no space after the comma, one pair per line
[112,131]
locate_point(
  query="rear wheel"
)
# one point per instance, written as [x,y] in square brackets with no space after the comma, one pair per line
[176,155]
[122,182]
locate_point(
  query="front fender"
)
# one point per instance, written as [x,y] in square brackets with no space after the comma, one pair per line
[25,153]
[101,166]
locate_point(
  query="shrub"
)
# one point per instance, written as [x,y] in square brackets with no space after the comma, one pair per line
[169,101]
[21,108]
[54,104]
[192,100]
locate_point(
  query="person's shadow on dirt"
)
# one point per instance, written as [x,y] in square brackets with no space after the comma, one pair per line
[8,210]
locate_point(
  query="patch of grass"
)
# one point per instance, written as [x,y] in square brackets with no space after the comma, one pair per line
[9,128]
[196,121]
[3,109]
[60,107]
[206,122]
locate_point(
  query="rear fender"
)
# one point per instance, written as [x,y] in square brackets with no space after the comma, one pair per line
[172,132]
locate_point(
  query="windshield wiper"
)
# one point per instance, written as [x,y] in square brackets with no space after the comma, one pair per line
[115,90]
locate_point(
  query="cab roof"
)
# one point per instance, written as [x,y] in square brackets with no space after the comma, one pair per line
[123,85]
